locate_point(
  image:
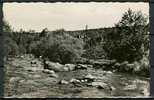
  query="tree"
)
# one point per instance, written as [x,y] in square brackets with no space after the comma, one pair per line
[127,42]
[58,46]
[10,45]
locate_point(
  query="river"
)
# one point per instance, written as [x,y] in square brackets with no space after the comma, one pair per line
[22,80]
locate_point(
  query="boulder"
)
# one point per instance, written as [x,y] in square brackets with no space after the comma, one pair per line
[112,88]
[22,57]
[100,85]
[54,66]
[48,71]
[116,66]
[129,67]
[14,79]
[63,82]
[108,72]
[123,65]
[51,72]
[66,69]
[81,66]
[54,75]
[74,80]
[33,62]
[90,66]
[82,61]
[70,66]
[130,87]
[83,81]
[104,62]
[136,68]
[89,78]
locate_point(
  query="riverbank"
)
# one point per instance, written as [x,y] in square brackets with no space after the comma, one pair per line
[24,79]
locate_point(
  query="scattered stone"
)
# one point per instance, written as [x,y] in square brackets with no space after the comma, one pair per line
[22,81]
[66,69]
[81,66]
[86,80]
[33,62]
[40,57]
[51,72]
[117,65]
[139,81]
[54,75]
[100,85]
[30,82]
[37,76]
[74,80]
[124,63]
[114,71]
[123,66]
[129,67]
[112,88]
[14,79]
[108,72]
[63,82]
[89,78]
[82,81]
[48,71]
[22,56]
[70,66]
[130,87]
[136,67]
[90,66]
[104,62]
[145,92]
[54,66]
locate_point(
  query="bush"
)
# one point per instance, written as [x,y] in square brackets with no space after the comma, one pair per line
[58,46]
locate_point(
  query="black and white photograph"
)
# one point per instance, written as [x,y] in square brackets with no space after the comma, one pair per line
[76,50]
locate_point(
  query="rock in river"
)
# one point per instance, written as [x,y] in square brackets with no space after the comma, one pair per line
[63,82]
[51,72]
[100,85]
[81,66]
[48,71]
[74,80]
[70,66]
[89,78]
[66,69]
[130,87]
[54,66]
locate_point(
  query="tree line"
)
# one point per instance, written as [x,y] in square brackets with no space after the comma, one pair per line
[128,41]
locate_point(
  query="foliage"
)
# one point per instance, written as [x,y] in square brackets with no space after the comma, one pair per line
[128,41]
[59,47]
[9,44]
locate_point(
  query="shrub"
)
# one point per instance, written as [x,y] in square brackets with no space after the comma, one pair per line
[58,46]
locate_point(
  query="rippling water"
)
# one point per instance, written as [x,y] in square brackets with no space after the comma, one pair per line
[22,80]
[124,84]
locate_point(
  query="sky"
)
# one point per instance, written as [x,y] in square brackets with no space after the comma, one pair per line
[70,16]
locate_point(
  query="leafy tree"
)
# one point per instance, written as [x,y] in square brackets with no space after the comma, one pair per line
[128,41]
[10,45]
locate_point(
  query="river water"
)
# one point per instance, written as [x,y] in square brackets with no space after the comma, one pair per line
[123,84]
[23,80]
